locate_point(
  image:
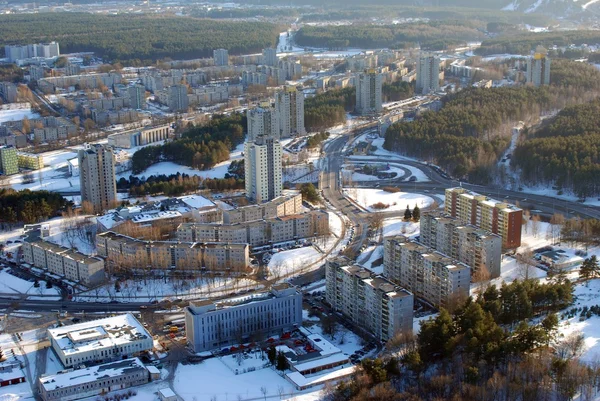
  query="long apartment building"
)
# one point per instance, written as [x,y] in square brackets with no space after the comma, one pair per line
[127,252]
[478,248]
[139,137]
[480,211]
[260,232]
[65,262]
[210,325]
[286,205]
[428,274]
[370,301]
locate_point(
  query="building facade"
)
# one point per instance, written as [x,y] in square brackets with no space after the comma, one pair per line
[270,57]
[178,98]
[30,161]
[428,274]
[262,121]
[20,52]
[370,301]
[289,104]
[480,249]
[221,57]
[263,170]
[428,74]
[282,206]
[538,70]
[140,137]
[137,96]
[210,325]
[368,92]
[480,211]
[9,162]
[97,176]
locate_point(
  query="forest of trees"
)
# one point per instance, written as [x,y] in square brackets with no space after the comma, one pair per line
[565,151]
[435,35]
[30,207]
[328,108]
[199,147]
[473,128]
[525,42]
[489,348]
[137,39]
[396,91]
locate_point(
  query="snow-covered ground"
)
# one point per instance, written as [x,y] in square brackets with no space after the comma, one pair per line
[17,114]
[10,284]
[335,224]
[367,197]
[398,226]
[292,261]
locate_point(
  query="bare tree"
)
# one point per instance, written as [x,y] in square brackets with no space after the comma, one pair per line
[264,392]
[535,225]
[524,263]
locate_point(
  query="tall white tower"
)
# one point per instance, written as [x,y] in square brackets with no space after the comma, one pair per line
[262,162]
[289,105]
[368,92]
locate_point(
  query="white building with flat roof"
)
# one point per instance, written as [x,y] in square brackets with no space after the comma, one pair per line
[100,340]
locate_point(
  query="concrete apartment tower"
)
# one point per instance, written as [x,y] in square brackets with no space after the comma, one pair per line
[221,57]
[289,104]
[178,98]
[8,160]
[270,57]
[538,70]
[428,74]
[97,176]
[262,121]
[137,96]
[368,92]
[262,161]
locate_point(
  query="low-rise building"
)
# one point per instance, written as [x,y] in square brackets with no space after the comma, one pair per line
[126,252]
[281,206]
[478,248]
[30,161]
[370,301]
[8,160]
[92,381]
[210,325]
[140,137]
[101,340]
[428,274]
[65,262]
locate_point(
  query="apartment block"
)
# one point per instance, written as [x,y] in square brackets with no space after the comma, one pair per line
[210,325]
[30,161]
[428,274]
[20,52]
[368,92]
[263,170]
[473,246]
[65,262]
[72,69]
[538,70]
[289,104]
[270,56]
[221,57]
[87,81]
[137,96]
[140,137]
[125,252]
[428,74]
[8,92]
[370,301]
[178,98]
[97,176]
[261,232]
[491,215]
[9,163]
[262,121]
[278,207]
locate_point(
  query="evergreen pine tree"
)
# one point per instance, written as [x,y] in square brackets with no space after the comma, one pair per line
[416,213]
[407,214]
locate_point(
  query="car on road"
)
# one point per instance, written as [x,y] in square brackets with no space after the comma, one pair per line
[143,307]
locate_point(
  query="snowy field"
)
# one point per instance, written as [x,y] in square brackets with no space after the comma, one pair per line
[367,197]
[17,114]
[398,226]
[293,261]
[10,284]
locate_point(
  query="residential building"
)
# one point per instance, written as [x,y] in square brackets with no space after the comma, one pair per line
[178,98]
[263,170]
[102,340]
[123,252]
[478,248]
[137,96]
[221,57]
[260,232]
[368,92]
[270,57]
[140,136]
[87,81]
[93,381]
[428,74]
[428,274]
[15,53]
[210,325]
[45,129]
[369,301]
[262,121]
[72,69]
[538,70]
[36,72]
[30,161]
[9,163]
[97,176]
[292,69]
[289,104]
[64,262]
[8,92]
[491,215]
[286,205]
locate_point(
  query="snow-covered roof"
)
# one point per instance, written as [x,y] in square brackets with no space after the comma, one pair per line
[196,201]
[90,375]
[98,334]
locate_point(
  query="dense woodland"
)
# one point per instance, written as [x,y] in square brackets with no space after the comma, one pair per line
[396,91]
[199,147]
[435,35]
[328,108]
[487,349]
[30,207]
[526,42]
[473,128]
[137,39]
[564,152]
